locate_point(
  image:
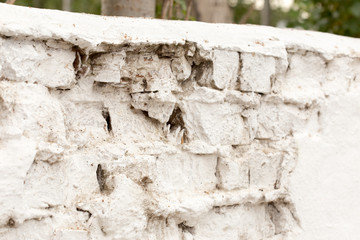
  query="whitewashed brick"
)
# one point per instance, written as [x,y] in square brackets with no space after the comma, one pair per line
[34,62]
[256,72]
[303,80]
[225,69]
[191,141]
[107,67]
[181,68]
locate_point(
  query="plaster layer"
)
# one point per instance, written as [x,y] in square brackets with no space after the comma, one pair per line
[123,128]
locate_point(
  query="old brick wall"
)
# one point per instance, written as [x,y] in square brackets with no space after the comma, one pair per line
[120,128]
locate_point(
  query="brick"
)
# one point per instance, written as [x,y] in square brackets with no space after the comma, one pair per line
[107,67]
[225,69]
[303,80]
[34,62]
[256,72]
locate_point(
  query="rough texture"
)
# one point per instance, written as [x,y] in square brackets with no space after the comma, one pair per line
[121,128]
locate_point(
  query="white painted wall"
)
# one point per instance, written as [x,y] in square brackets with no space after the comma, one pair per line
[123,128]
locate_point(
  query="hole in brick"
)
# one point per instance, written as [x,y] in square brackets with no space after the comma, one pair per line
[99,84]
[145,181]
[11,222]
[186,228]
[79,63]
[169,51]
[106,115]
[77,60]
[176,120]
[217,209]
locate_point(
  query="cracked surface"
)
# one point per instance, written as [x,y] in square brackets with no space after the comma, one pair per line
[162,140]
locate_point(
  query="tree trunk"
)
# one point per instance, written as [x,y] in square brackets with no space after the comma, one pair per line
[129,8]
[265,13]
[214,11]
[66,5]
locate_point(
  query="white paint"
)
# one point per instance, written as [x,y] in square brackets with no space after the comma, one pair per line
[256,73]
[34,62]
[325,182]
[225,69]
[123,128]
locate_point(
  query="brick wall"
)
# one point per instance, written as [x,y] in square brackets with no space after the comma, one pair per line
[120,128]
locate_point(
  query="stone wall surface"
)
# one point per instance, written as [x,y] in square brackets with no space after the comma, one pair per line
[123,128]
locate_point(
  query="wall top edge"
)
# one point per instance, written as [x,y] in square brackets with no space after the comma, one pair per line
[92,32]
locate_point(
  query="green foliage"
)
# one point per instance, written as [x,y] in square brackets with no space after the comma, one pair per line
[335,16]
[178,12]
[240,10]
[158,8]
[87,6]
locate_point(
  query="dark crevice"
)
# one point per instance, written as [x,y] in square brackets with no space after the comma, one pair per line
[272,205]
[85,211]
[80,63]
[239,75]
[217,174]
[77,60]
[99,84]
[106,115]
[100,176]
[176,120]
[218,208]
[143,92]
[49,206]
[146,113]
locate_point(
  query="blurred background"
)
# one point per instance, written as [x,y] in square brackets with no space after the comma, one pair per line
[334,16]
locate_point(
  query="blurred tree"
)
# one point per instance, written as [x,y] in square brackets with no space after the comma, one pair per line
[335,16]
[87,6]
[130,8]
[245,12]
[175,9]
[215,11]
[265,13]
[66,5]
[237,11]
